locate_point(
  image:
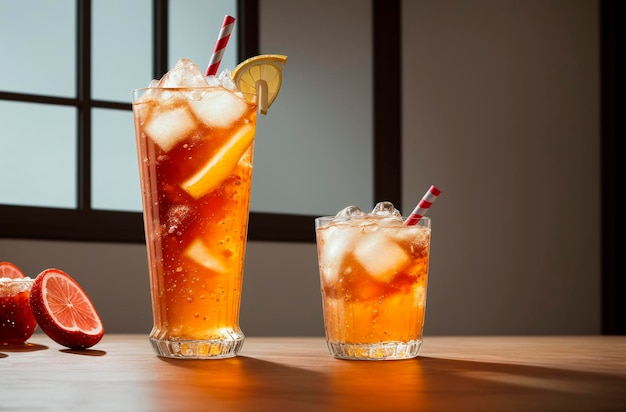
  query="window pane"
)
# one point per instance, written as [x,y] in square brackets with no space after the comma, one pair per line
[38,47]
[38,155]
[314,150]
[194,28]
[115,173]
[122,48]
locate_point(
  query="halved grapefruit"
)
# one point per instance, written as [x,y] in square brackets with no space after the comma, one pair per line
[64,311]
[9,270]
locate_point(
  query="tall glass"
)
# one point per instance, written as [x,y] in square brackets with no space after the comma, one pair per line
[374,273]
[195,160]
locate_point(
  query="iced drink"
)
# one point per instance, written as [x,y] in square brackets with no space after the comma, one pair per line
[195,145]
[374,273]
[17,322]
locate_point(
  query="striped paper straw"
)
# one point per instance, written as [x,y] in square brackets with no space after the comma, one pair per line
[220,45]
[422,207]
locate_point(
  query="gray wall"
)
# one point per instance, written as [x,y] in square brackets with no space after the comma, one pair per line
[501,111]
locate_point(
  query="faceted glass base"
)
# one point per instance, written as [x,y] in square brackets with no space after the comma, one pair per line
[197,349]
[375,351]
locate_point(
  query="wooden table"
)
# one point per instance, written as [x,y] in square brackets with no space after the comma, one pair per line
[121,373]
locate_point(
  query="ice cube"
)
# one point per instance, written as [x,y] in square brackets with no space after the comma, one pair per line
[226,80]
[185,73]
[386,209]
[380,256]
[200,253]
[223,79]
[218,108]
[167,126]
[350,211]
[412,234]
[337,241]
[213,81]
[149,94]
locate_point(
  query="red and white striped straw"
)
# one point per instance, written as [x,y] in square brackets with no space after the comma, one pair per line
[422,207]
[220,45]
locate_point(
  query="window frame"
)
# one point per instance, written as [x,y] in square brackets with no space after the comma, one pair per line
[87,224]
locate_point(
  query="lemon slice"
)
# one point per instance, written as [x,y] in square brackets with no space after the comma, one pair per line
[259,78]
[213,173]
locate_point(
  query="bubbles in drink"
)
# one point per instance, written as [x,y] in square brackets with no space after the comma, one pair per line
[17,323]
[196,135]
[176,217]
[375,244]
[374,271]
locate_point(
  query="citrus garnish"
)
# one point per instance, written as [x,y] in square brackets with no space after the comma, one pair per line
[259,78]
[213,173]
[9,270]
[64,311]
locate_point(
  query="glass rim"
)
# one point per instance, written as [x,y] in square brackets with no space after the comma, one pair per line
[333,217]
[140,89]
[16,280]
[322,221]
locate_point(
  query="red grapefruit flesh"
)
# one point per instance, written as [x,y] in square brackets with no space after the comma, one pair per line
[9,270]
[64,311]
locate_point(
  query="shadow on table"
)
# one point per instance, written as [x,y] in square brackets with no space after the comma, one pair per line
[240,382]
[420,384]
[84,352]
[22,347]
[436,384]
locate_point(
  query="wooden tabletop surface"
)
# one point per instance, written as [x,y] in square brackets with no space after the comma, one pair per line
[121,373]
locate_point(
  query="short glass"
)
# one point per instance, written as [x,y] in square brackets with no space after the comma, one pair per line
[373,275]
[195,161]
[17,322]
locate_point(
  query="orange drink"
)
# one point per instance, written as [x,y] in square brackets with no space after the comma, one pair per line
[374,273]
[195,144]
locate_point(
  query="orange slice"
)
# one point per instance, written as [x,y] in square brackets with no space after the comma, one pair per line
[64,311]
[259,78]
[9,270]
[216,170]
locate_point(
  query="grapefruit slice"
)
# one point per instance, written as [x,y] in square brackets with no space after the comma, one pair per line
[9,270]
[64,311]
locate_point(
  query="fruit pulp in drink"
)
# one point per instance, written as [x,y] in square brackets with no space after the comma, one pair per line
[374,276]
[196,177]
